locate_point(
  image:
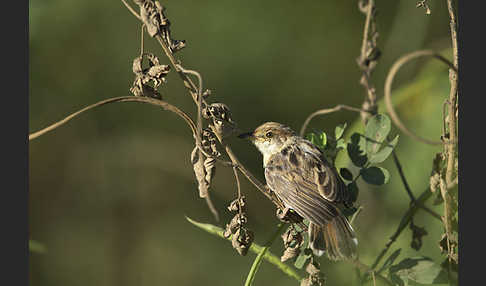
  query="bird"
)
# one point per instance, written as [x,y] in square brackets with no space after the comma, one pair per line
[301,177]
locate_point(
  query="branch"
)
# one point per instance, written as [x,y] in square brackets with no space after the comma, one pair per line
[388,84]
[368,57]
[327,111]
[452,119]
[409,191]
[132,10]
[157,102]
[258,260]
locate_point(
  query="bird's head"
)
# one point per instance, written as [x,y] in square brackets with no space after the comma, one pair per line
[270,137]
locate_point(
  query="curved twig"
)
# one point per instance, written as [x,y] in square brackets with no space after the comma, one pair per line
[132,10]
[388,84]
[157,102]
[327,111]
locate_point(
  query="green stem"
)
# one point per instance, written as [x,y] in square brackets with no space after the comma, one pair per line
[258,260]
[255,248]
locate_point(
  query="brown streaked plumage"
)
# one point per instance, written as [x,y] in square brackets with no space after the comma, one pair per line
[297,172]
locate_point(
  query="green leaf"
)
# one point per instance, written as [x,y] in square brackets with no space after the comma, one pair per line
[340,144]
[36,247]
[417,269]
[381,155]
[322,140]
[312,138]
[356,150]
[353,192]
[302,259]
[376,131]
[339,130]
[375,175]
[346,174]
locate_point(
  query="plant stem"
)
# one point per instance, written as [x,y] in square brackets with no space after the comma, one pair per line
[255,248]
[258,260]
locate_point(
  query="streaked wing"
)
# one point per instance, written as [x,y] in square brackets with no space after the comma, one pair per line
[315,173]
[304,181]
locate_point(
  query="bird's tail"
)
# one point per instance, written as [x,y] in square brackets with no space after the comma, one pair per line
[336,238]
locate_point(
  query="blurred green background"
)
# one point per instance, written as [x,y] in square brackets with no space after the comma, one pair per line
[109,190]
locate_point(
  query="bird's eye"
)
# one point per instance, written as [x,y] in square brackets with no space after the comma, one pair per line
[269,134]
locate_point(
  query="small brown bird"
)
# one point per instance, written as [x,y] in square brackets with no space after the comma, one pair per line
[297,172]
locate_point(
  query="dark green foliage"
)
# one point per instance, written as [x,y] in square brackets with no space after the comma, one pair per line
[375,175]
[356,150]
[417,269]
[389,261]
[346,174]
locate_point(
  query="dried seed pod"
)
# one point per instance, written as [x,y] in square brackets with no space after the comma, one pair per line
[290,254]
[313,268]
[315,278]
[206,93]
[434,182]
[155,72]
[232,226]
[242,240]
[237,203]
[153,16]
[209,142]
[222,122]
[293,240]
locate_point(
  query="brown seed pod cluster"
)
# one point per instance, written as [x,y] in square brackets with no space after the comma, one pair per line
[293,241]
[316,277]
[220,116]
[205,167]
[152,14]
[242,236]
[155,72]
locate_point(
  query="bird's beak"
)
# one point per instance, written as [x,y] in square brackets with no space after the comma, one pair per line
[248,135]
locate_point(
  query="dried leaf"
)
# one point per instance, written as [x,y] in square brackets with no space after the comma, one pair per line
[242,240]
[237,203]
[293,241]
[198,166]
[210,169]
[155,73]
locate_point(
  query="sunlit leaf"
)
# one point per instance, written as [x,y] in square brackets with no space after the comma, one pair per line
[418,269]
[339,130]
[376,131]
[386,150]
